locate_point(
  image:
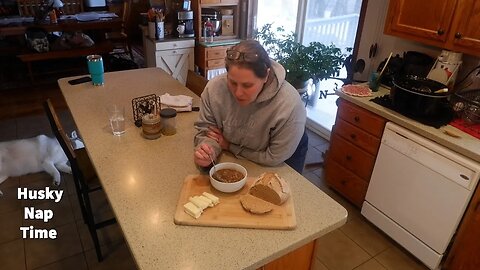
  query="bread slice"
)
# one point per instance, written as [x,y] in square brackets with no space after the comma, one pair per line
[255,205]
[271,188]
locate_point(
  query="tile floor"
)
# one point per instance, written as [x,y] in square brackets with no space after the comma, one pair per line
[356,245]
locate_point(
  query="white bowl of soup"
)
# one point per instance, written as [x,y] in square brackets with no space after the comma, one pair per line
[228,177]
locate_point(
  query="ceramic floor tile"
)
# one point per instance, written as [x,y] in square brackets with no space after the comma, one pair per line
[117,257]
[39,181]
[353,211]
[371,264]
[336,251]
[31,126]
[77,212]
[366,236]
[12,256]
[313,156]
[396,259]
[76,262]
[8,130]
[10,226]
[10,182]
[41,252]
[107,236]
[317,265]
[9,201]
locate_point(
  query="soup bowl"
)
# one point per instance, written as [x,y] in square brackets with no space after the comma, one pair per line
[224,186]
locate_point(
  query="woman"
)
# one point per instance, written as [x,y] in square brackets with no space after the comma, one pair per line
[252,112]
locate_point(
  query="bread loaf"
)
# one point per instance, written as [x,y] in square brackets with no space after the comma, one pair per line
[271,188]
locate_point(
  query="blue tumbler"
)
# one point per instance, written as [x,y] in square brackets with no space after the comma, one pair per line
[95,67]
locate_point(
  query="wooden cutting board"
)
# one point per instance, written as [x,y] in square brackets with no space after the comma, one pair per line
[229,212]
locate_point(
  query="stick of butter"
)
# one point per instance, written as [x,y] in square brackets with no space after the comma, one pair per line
[192,210]
[205,199]
[198,202]
[212,197]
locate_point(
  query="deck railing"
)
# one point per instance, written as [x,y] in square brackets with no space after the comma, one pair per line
[339,30]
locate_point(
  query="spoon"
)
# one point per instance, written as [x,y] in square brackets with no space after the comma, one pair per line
[214,165]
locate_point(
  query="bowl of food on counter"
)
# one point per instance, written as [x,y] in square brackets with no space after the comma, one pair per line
[228,177]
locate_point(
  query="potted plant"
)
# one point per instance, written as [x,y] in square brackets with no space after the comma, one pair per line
[316,61]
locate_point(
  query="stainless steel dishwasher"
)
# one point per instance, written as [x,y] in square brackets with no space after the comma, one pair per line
[418,192]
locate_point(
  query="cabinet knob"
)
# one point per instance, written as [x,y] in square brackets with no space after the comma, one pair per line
[174,52]
[458,35]
[440,32]
[343,182]
[356,118]
[353,136]
[348,157]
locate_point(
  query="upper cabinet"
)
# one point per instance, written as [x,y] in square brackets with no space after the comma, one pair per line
[448,24]
[224,15]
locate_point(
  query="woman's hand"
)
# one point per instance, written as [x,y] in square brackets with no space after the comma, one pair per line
[202,155]
[216,134]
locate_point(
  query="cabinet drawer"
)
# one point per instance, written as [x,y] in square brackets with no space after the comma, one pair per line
[178,44]
[218,53]
[345,182]
[357,136]
[361,118]
[351,157]
[217,63]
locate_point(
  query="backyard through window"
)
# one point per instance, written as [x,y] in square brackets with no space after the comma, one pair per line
[325,21]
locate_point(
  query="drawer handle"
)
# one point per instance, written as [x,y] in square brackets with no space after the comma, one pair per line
[353,136]
[343,182]
[356,118]
[174,44]
[348,157]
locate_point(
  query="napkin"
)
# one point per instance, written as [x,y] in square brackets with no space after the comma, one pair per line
[180,103]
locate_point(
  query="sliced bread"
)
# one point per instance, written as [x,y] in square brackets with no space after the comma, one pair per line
[255,205]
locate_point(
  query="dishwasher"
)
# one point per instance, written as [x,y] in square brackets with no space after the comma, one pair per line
[418,192]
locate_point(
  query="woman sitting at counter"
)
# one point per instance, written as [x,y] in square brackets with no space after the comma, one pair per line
[252,112]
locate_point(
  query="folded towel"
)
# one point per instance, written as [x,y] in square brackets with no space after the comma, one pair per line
[180,103]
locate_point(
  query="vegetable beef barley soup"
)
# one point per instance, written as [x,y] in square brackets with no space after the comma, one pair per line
[228,175]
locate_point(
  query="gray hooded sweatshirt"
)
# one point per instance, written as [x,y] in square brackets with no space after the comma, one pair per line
[266,131]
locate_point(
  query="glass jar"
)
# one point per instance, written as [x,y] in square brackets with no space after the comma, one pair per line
[151,126]
[168,121]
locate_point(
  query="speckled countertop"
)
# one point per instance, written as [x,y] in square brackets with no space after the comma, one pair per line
[142,179]
[466,144]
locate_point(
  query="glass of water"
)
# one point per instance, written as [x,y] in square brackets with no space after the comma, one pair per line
[116,114]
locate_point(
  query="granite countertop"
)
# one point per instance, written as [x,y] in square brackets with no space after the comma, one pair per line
[465,145]
[143,178]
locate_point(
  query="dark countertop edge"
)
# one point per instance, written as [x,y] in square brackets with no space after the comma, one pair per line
[466,145]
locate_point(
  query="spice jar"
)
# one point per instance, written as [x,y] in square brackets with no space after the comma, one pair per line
[168,121]
[151,126]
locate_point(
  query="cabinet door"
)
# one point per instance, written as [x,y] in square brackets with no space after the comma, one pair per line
[425,21]
[465,31]
[175,62]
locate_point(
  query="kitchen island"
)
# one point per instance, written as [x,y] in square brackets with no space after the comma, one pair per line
[465,144]
[143,178]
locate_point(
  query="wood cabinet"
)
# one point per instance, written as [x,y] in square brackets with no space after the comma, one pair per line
[449,24]
[232,31]
[353,149]
[208,58]
[466,247]
[176,57]
[299,259]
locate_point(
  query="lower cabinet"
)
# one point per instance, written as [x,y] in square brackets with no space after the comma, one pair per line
[176,57]
[354,144]
[299,259]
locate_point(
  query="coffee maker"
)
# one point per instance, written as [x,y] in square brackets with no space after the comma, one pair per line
[185,24]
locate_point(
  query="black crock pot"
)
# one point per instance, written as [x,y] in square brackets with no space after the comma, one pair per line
[415,96]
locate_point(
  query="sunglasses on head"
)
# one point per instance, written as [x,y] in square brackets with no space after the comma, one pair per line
[242,56]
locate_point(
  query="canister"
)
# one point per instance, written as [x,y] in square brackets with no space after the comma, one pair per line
[151,126]
[168,116]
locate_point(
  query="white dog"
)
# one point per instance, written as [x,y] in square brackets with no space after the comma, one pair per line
[41,153]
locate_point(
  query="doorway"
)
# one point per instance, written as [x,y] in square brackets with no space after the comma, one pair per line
[325,21]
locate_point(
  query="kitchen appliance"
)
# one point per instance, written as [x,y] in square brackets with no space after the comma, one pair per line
[185,24]
[446,67]
[214,16]
[410,63]
[419,96]
[418,192]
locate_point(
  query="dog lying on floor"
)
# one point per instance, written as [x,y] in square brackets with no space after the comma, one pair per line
[41,153]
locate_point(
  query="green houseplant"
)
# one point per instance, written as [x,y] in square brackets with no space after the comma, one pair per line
[316,61]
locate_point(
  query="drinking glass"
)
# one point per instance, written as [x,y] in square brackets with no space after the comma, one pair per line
[116,114]
[95,68]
